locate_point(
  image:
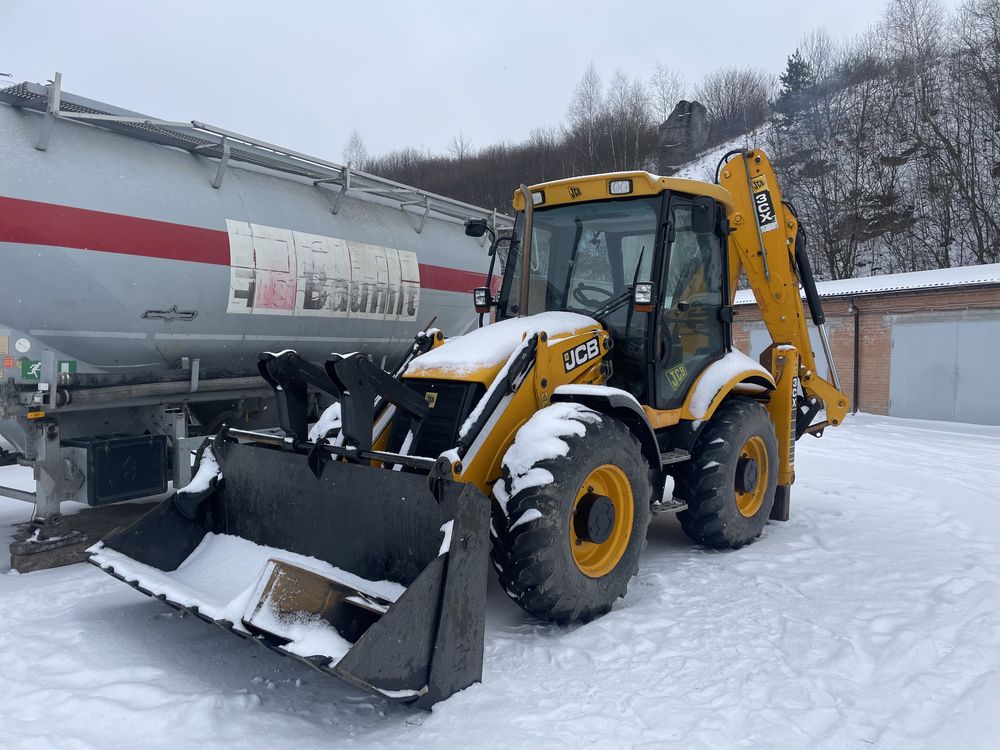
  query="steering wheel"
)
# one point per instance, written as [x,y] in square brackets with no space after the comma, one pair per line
[583,299]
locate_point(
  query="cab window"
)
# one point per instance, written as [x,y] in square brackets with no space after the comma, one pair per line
[692,333]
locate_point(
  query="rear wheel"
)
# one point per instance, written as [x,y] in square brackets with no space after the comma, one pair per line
[566,550]
[729,482]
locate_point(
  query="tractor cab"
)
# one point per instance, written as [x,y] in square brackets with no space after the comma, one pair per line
[646,256]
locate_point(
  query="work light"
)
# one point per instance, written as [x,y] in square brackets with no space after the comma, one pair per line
[620,187]
[642,296]
[481,299]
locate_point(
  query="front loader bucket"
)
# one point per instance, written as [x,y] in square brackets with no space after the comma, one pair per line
[360,572]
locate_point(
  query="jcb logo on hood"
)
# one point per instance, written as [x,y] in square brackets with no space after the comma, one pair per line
[581,354]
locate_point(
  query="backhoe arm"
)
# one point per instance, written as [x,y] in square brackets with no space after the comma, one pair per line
[767,244]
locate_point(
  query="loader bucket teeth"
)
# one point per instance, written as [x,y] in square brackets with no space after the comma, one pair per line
[359,572]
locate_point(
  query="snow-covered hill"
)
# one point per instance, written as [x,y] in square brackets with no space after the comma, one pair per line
[870,620]
[704,165]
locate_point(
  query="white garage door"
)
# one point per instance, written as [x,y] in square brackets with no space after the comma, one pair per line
[760,339]
[946,370]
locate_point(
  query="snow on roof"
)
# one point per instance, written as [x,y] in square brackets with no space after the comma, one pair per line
[898,282]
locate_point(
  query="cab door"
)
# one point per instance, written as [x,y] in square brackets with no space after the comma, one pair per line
[691,332]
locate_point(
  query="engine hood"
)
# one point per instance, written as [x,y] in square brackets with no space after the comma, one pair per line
[480,354]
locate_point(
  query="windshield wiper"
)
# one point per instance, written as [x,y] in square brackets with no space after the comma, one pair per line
[611,305]
[615,302]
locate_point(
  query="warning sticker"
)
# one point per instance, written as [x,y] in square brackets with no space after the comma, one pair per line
[31,369]
[8,362]
[280,272]
[763,204]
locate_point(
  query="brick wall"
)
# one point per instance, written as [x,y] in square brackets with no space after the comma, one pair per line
[875,316]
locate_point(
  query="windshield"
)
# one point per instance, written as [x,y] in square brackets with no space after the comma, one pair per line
[583,255]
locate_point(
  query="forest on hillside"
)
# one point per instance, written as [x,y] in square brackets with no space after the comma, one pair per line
[888,143]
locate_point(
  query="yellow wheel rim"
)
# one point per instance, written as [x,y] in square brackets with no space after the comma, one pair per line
[749,502]
[593,559]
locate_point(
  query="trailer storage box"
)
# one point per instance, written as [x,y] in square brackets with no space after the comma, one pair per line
[119,467]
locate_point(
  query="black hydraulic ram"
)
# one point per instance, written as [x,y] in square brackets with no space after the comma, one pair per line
[812,295]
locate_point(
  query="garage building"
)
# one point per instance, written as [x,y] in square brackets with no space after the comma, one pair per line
[924,345]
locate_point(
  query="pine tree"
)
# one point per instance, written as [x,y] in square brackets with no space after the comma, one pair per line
[796,86]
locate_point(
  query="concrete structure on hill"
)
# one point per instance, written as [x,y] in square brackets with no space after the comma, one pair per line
[682,136]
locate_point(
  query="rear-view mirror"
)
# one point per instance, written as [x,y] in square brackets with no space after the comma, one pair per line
[704,215]
[475,227]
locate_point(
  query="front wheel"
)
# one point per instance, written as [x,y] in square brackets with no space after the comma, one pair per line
[567,548]
[730,480]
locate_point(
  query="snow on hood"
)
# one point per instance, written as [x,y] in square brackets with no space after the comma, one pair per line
[493,344]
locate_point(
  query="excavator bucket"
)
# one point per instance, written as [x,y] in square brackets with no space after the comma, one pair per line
[373,575]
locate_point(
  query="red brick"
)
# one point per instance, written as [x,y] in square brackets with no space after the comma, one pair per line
[875,345]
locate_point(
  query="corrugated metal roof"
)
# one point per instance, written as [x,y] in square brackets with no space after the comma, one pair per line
[899,282]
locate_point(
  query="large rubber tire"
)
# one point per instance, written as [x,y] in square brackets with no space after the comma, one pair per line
[535,558]
[708,482]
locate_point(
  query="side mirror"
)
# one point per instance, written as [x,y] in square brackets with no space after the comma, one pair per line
[475,227]
[482,299]
[643,294]
[704,215]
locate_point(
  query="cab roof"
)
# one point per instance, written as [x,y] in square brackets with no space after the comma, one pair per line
[598,186]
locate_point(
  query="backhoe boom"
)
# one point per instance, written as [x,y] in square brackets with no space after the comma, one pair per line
[769,246]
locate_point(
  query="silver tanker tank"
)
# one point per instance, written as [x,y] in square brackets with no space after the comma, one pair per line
[129,246]
[146,264]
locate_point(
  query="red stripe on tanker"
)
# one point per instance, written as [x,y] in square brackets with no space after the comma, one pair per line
[312,288]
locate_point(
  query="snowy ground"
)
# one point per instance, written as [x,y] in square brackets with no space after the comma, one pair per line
[872,619]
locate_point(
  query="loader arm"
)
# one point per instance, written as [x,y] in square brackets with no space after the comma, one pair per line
[767,244]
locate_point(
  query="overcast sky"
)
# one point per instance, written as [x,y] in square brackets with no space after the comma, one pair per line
[305,74]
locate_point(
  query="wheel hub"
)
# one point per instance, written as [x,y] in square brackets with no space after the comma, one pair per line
[595,518]
[751,478]
[600,524]
[747,474]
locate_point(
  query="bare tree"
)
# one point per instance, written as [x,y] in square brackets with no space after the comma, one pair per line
[889,148]
[627,122]
[737,99]
[666,88]
[586,109]
[355,152]
[460,147]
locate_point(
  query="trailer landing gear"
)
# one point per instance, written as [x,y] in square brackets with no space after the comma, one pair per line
[59,540]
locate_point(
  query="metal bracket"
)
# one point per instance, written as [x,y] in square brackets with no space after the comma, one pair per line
[223,163]
[51,112]
[48,380]
[195,371]
[359,382]
[425,203]
[345,185]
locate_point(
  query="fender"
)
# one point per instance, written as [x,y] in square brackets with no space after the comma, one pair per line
[620,405]
[734,373]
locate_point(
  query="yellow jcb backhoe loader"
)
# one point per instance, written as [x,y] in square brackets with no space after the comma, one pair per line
[543,440]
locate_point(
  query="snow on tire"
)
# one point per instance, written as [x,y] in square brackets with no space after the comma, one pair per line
[575,498]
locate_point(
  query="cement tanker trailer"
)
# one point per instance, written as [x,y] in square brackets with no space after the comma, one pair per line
[147,264]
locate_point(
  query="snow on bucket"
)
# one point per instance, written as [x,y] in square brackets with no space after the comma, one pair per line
[360,572]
